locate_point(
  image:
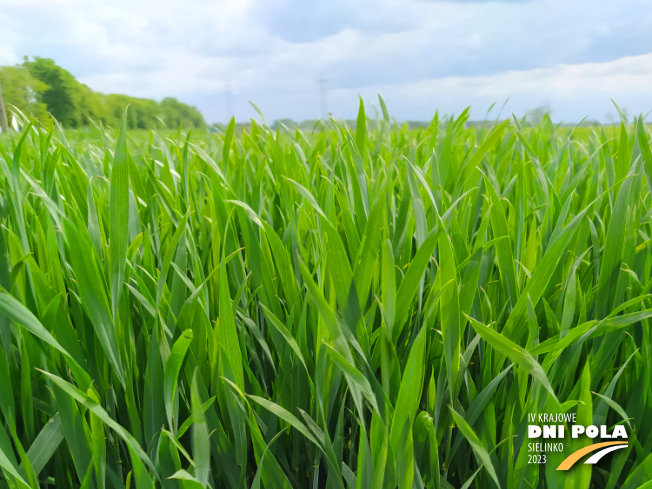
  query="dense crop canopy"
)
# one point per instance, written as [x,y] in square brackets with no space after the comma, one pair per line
[374,308]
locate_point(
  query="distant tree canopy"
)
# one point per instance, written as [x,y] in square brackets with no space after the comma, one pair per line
[42,88]
[23,91]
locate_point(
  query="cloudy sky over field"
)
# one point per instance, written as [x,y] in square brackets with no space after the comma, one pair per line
[421,55]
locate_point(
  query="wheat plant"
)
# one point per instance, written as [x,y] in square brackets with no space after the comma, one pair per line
[349,307]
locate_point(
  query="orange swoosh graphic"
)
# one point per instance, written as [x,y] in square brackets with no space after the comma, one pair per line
[575,456]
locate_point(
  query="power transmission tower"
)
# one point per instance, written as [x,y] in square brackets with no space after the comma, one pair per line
[3,114]
[323,98]
[229,101]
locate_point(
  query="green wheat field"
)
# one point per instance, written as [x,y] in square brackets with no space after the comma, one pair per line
[374,306]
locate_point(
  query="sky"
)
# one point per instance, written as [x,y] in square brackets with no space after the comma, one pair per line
[570,57]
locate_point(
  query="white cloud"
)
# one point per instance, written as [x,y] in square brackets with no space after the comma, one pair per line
[7,56]
[421,54]
[571,91]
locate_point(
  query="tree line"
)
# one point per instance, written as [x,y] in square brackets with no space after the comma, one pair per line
[41,88]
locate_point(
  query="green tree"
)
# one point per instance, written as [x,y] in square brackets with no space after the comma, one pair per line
[62,96]
[23,91]
[175,113]
[39,86]
[91,105]
[141,115]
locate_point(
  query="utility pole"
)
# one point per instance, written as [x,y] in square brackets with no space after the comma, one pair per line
[229,101]
[322,98]
[3,114]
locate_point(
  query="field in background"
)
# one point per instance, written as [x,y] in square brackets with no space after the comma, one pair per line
[371,307]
